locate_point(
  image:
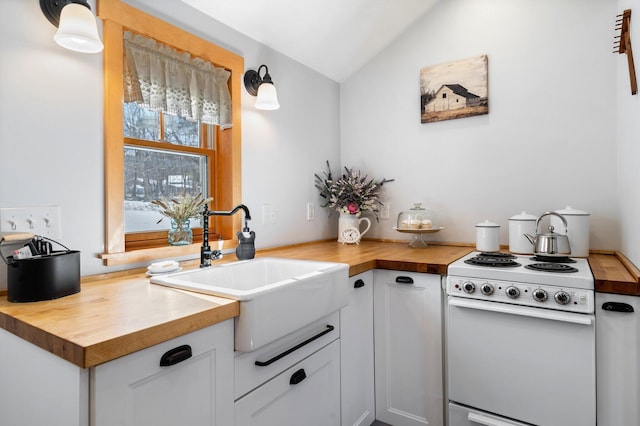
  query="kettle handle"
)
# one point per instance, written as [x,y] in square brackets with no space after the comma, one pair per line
[564,221]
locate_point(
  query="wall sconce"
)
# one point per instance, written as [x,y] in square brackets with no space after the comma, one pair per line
[262,87]
[77,29]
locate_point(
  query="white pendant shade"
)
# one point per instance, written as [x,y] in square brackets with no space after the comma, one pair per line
[78,30]
[267,97]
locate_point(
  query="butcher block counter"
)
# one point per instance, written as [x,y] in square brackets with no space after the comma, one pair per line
[117,314]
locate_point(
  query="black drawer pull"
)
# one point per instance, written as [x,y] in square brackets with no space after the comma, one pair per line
[404,280]
[175,356]
[297,377]
[617,307]
[295,348]
[359,283]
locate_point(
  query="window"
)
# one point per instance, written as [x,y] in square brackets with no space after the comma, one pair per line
[149,152]
[164,156]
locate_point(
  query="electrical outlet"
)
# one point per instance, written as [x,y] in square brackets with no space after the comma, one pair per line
[41,220]
[384,211]
[268,214]
[311,212]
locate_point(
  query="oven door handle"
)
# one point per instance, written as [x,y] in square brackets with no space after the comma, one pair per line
[488,421]
[521,310]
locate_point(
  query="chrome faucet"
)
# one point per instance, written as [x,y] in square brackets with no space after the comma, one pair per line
[206,254]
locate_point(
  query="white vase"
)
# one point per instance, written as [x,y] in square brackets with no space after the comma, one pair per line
[347,220]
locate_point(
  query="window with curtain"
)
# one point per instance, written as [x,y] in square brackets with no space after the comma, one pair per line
[171,103]
[164,79]
[178,130]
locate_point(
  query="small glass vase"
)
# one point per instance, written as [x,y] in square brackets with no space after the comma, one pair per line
[180,233]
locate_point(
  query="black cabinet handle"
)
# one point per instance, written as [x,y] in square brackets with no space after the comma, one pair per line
[329,329]
[359,283]
[297,377]
[175,356]
[404,280]
[617,307]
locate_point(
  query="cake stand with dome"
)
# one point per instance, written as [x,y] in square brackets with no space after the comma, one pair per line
[417,221]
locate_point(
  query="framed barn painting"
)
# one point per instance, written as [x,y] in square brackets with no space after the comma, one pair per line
[456,89]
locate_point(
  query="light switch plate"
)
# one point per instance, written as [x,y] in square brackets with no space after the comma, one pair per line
[311,211]
[384,211]
[39,220]
[268,214]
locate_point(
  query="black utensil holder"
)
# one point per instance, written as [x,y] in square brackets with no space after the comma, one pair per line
[44,277]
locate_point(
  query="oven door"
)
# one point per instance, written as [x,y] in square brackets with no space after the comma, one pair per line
[531,365]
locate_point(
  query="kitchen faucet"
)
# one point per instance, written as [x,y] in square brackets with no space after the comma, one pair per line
[245,249]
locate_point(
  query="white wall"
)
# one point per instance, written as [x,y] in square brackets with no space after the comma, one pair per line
[629,148]
[51,131]
[548,141]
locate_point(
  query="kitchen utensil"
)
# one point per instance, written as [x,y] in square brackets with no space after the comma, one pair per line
[550,243]
[519,225]
[487,236]
[578,222]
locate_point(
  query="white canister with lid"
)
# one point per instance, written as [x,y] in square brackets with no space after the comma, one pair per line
[487,236]
[519,225]
[577,229]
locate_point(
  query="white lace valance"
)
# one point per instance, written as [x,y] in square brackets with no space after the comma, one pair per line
[162,78]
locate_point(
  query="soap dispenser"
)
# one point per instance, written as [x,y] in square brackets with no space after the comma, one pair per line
[246,248]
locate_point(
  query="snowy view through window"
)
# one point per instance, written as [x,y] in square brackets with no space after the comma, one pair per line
[152,173]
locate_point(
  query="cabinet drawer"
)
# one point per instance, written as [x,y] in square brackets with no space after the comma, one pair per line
[307,393]
[185,380]
[249,376]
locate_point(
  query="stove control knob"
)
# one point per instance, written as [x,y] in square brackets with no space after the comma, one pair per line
[562,297]
[513,292]
[539,295]
[486,289]
[469,287]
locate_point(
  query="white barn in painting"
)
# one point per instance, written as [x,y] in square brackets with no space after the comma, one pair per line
[451,96]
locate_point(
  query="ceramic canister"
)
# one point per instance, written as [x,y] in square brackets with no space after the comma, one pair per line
[519,225]
[487,236]
[577,229]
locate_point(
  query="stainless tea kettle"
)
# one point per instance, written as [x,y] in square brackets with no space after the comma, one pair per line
[551,243]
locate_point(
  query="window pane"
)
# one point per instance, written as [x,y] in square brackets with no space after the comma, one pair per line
[141,123]
[150,174]
[180,131]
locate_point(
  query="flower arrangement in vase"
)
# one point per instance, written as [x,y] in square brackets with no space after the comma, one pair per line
[350,194]
[181,209]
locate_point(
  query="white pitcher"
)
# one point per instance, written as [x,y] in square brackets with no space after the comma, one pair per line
[347,220]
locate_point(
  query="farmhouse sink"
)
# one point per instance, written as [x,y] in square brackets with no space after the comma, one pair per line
[277,296]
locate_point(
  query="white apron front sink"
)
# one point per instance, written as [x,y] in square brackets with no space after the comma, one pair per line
[277,296]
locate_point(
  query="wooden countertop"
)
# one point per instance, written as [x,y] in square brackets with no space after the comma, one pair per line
[111,318]
[367,255]
[117,314]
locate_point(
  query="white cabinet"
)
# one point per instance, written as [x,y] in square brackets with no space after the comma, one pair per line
[40,388]
[356,353]
[617,353]
[408,348]
[307,393]
[194,386]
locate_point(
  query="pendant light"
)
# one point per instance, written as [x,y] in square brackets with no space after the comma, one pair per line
[262,88]
[77,28]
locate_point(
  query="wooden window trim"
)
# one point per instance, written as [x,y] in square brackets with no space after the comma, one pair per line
[118,17]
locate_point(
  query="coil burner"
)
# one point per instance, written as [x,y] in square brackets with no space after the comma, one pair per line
[493,260]
[551,267]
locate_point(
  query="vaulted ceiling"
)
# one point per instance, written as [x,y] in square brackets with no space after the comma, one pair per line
[333,37]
